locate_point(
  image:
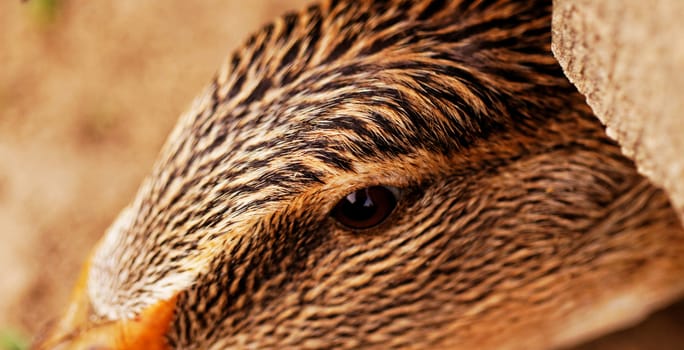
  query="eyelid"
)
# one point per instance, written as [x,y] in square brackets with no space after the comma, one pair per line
[396,191]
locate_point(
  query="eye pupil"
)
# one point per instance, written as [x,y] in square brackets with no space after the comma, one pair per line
[366,207]
[358,205]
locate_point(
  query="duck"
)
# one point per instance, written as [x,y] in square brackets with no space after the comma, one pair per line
[382,175]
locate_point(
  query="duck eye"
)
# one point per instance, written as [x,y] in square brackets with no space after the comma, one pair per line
[366,207]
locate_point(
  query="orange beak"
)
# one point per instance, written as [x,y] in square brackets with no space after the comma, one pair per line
[79,330]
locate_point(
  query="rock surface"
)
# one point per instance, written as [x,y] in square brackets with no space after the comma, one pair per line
[627,58]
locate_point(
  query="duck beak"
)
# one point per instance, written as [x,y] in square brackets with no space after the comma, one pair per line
[78,329]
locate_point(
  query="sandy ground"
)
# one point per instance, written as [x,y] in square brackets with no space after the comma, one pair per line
[88,92]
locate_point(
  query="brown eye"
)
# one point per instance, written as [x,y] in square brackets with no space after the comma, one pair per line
[366,207]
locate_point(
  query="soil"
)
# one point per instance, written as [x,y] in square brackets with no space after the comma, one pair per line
[88,92]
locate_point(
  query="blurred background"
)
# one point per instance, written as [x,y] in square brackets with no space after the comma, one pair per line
[88,93]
